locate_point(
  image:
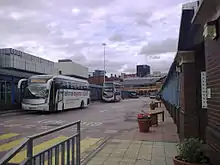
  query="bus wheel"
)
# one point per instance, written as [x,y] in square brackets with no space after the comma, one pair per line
[82,105]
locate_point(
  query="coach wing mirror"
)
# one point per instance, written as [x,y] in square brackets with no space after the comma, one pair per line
[22,83]
[49,82]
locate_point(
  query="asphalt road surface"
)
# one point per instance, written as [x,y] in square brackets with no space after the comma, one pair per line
[98,121]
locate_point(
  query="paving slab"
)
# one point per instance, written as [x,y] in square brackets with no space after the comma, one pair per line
[157,147]
[135,153]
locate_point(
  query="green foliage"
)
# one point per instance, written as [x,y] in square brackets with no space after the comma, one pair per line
[190,150]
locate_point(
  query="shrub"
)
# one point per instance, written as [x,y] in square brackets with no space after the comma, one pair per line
[190,150]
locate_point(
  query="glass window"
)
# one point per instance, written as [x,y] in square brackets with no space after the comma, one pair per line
[60,96]
[5,92]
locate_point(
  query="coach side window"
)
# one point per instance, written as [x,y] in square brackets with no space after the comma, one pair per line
[74,85]
[66,86]
[81,86]
[85,87]
[71,85]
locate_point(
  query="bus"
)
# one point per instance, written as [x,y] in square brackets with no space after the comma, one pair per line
[53,93]
[111,92]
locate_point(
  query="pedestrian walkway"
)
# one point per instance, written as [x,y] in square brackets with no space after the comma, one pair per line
[125,152]
[158,147]
[10,140]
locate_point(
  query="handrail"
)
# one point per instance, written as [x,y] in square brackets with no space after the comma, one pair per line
[29,142]
[53,130]
[13,152]
[57,144]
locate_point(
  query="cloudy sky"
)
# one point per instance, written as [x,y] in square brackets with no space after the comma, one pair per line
[135,31]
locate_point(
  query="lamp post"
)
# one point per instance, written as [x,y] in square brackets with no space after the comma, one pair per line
[104,44]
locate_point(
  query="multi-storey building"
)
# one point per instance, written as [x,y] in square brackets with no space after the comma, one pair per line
[143,70]
[15,64]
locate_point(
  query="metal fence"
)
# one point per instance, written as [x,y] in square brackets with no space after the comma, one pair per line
[65,153]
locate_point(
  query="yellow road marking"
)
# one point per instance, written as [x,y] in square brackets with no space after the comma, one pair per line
[10,145]
[21,156]
[85,144]
[7,136]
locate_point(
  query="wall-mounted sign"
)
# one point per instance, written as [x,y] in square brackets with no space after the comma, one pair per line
[210,30]
[203,90]
[208,93]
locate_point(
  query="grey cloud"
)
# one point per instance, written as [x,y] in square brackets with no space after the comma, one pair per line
[130,70]
[111,66]
[155,57]
[162,65]
[92,3]
[80,58]
[116,37]
[143,18]
[165,46]
[49,28]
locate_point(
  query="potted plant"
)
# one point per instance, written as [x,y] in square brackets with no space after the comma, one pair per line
[190,152]
[144,122]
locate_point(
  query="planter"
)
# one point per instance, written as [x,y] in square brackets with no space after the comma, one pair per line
[180,162]
[144,125]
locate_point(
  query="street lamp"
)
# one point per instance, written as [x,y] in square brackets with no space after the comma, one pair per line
[104,44]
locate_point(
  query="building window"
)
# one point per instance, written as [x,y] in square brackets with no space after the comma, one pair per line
[5,92]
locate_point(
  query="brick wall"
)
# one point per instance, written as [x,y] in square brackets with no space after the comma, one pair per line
[200,66]
[96,80]
[188,108]
[212,51]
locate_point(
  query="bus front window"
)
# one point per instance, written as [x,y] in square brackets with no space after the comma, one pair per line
[36,91]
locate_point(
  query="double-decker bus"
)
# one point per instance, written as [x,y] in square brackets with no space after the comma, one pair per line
[111,92]
[53,93]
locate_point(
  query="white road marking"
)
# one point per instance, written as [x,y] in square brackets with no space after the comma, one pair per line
[8,121]
[110,131]
[28,126]
[92,124]
[84,124]
[12,125]
[45,127]
[45,121]
[103,111]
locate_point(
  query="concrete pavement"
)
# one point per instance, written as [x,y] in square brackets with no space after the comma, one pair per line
[158,147]
[121,152]
[99,121]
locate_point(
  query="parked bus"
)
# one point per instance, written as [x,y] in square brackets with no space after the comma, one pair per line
[111,92]
[53,93]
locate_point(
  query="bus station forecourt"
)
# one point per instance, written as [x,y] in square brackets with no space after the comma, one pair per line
[109,133]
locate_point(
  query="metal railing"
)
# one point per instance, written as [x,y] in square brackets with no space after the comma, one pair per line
[67,152]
